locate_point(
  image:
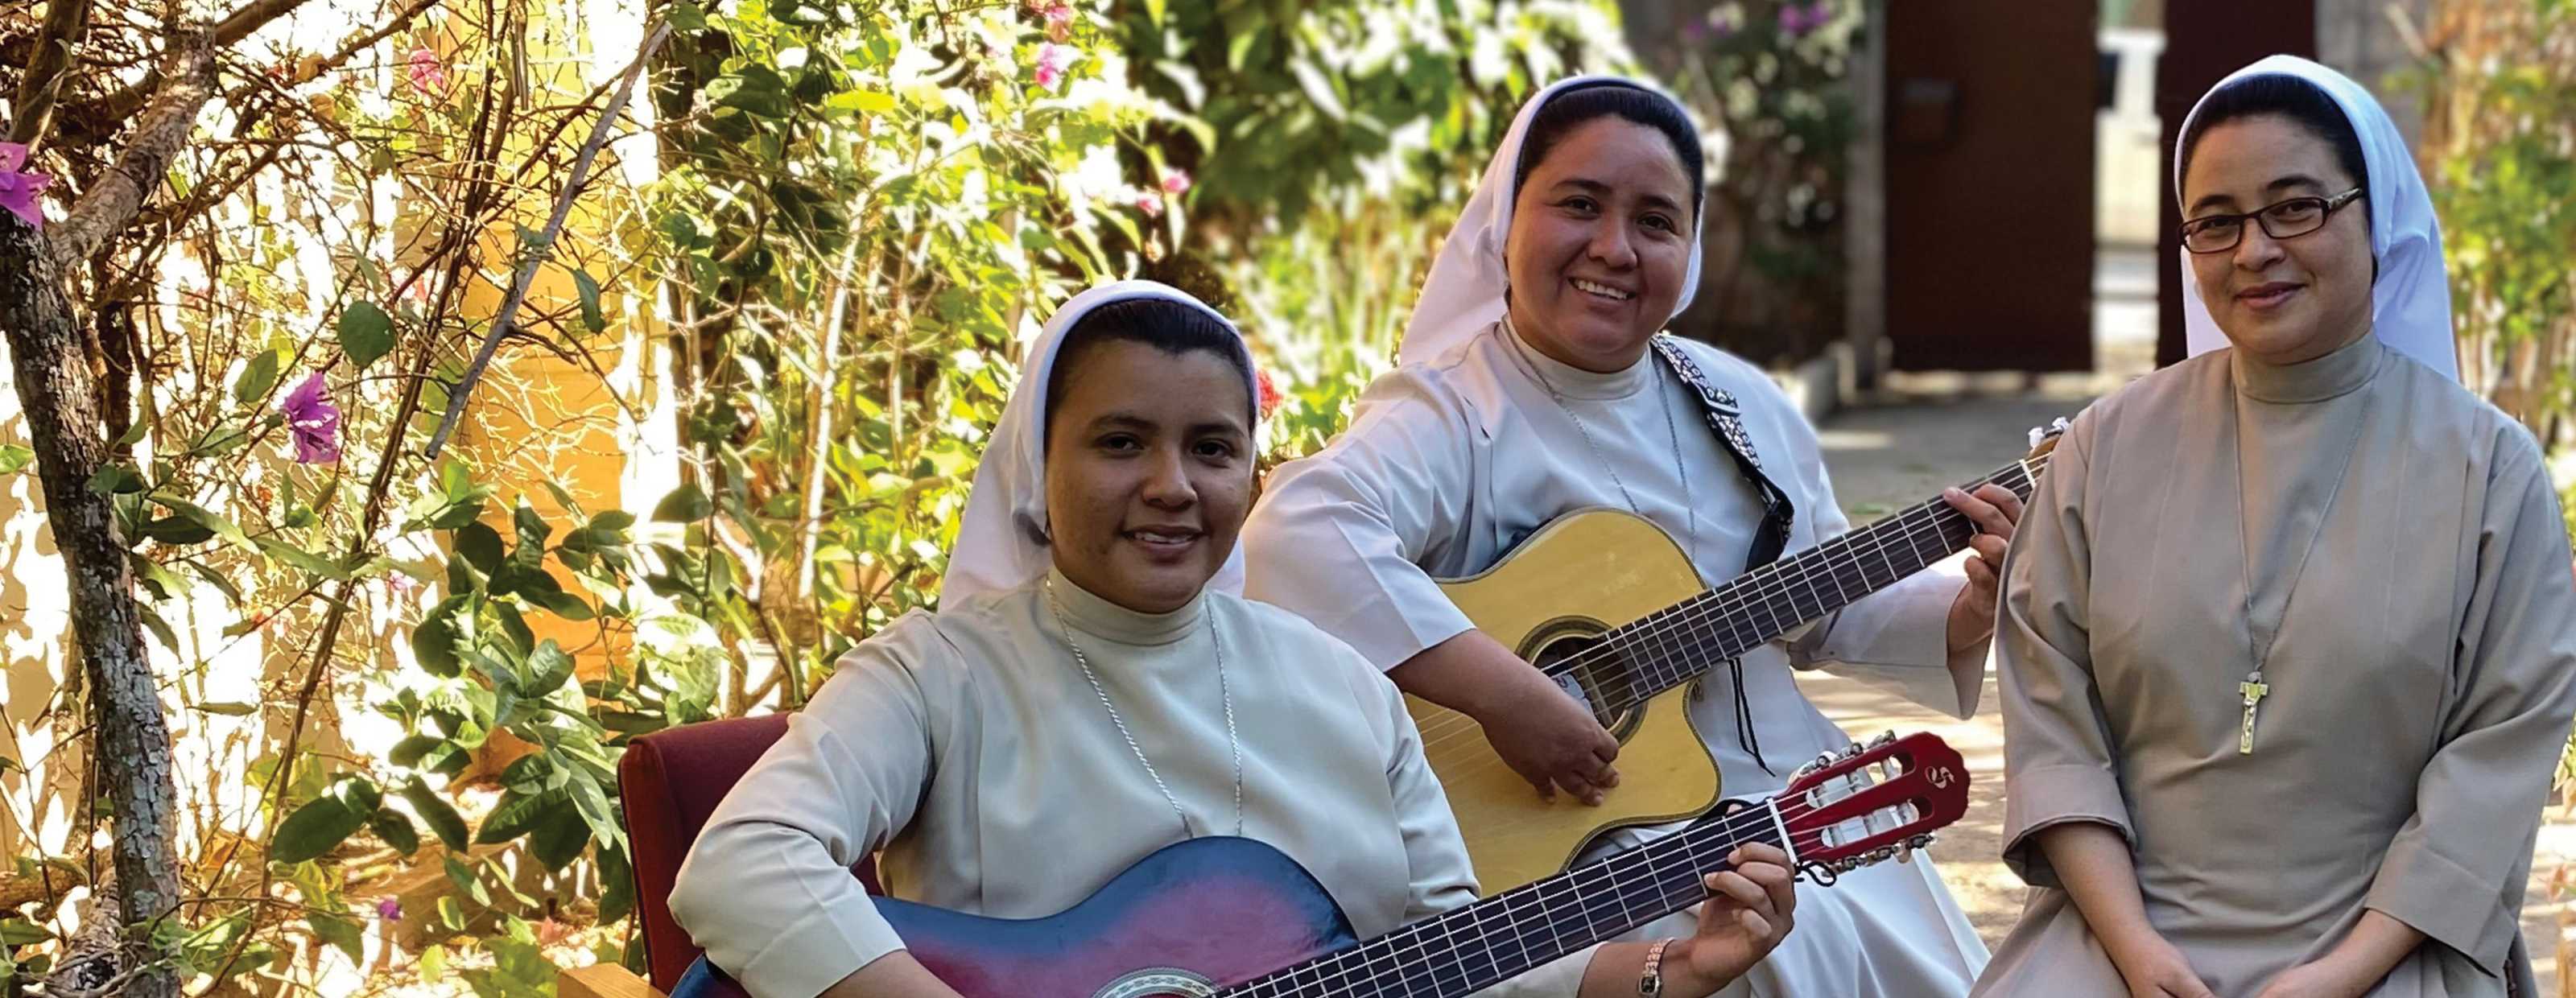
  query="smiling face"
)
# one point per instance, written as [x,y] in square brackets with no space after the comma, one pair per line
[2279,300]
[1148,471]
[1602,232]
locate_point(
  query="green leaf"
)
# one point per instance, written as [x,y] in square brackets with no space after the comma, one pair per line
[366,333]
[213,523]
[160,627]
[433,964]
[552,667]
[755,89]
[340,931]
[391,826]
[686,504]
[612,520]
[597,812]
[21,932]
[480,546]
[434,640]
[518,814]
[116,479]
[560,841]
[177,531]
[14,457]
[300,559]
[591,315]
[467,882]
[407,752]
[560,603]
[440,815]
[226,709]
[257,379]
[322,824]
[687,17]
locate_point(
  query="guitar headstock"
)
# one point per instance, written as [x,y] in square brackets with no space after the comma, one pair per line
[2043,439]
[1871,803]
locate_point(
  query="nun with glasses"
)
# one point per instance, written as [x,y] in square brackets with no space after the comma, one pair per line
[2288,647]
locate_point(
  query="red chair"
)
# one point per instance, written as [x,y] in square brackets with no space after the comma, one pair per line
[671,782]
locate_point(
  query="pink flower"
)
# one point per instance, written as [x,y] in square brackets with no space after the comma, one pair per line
[18,190]
[428,75]
[314,421]
[1150,202]
[389,909]
[1176,182]
[1270,397]
[1053,60]
[1059,20]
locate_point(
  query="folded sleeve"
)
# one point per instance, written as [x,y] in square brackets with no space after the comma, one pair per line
[2058,766]
[1338,537]
[2455,871]
[767,889]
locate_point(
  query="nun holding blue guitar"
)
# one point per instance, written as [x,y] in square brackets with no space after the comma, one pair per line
[1098,771]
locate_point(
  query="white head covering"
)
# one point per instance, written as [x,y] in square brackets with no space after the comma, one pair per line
[1002,541]
[1465,291]
[2410,307]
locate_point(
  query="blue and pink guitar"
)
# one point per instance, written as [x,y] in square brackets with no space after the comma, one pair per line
[1235,918]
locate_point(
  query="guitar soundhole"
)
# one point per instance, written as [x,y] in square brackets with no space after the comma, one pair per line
[1158,982]
[1592,672]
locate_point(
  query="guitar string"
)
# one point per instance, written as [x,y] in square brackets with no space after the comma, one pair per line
[1692,618]
[1686,853]
[1499,907]
[1693,846]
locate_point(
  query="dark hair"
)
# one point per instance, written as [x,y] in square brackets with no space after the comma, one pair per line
[1169,326]
[1569,110]
[2290,97]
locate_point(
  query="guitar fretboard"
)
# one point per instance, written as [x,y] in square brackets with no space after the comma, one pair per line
[1518,930]
[1666,648]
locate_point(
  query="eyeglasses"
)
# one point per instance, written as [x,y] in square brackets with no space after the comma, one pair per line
[2280,220]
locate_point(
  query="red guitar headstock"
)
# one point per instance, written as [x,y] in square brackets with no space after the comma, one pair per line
[1871,803]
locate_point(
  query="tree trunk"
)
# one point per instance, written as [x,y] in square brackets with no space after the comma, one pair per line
[133,738]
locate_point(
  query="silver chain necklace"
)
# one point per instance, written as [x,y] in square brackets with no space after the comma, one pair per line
[1672,436]
[1225,692]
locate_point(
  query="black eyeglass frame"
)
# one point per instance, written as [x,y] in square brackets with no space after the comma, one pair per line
[2327,206]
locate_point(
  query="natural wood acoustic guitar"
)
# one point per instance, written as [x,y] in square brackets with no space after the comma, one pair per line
[1608,605]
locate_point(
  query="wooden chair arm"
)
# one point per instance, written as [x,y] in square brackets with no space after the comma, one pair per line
[606,980]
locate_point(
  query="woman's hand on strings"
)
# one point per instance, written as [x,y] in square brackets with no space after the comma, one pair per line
[1549,738]
[1995,511]
[1749,910]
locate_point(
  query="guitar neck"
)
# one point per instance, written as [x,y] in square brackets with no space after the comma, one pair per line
[1521,929]
[1669,647]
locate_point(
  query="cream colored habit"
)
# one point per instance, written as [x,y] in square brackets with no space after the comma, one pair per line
[2419,688]
[1451,462]
[970,745]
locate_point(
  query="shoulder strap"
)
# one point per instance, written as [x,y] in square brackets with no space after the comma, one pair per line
[1726,418]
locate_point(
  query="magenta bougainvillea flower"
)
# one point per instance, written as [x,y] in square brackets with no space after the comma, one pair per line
[18,190]
[1053,60]
[1270,397]
[1176,182]
[428,74]
[314,421]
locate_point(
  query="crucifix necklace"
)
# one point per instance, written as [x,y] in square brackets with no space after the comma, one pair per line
[2254,689]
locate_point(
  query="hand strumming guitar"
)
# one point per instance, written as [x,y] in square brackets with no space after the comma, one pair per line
[1543,734]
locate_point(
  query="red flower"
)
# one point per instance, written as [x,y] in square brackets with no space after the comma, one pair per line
[1270,397]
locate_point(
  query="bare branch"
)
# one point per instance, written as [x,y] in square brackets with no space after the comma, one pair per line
[504,319]
[112,201]
[47,67]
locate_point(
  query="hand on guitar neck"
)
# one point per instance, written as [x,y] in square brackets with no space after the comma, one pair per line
[1544,735]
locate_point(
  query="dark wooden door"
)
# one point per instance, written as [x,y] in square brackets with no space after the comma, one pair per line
[2204,41]
[1990,107]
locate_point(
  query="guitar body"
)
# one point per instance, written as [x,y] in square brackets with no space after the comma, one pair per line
[1193,917]
[1238,918]
[1628,568]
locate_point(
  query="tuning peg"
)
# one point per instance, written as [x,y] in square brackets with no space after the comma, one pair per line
[1884,739]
